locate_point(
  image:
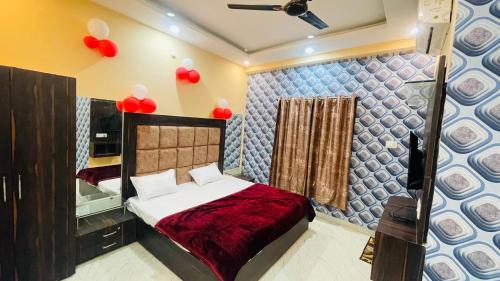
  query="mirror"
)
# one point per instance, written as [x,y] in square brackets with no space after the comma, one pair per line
[98,156]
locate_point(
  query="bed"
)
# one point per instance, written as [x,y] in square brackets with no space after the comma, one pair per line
[166,224]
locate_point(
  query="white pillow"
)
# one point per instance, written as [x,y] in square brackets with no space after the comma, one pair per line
[151,186]
[206,174]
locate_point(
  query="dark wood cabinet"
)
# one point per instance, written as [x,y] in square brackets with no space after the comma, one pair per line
[397,254]
[37,148]
[102,233]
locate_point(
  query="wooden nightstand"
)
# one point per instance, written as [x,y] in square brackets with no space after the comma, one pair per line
[244,177]
[102,233]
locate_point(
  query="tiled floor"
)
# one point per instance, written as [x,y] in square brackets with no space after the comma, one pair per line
[326,251]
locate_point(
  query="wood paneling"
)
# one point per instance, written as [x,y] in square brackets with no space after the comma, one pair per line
[42,117]
[6,219]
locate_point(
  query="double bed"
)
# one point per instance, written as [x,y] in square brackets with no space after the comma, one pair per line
[230,229]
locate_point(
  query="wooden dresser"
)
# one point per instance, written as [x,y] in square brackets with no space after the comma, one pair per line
[397,255]
[102,233]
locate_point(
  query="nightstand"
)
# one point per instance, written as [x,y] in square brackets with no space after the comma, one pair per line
[244,177]
[102,233]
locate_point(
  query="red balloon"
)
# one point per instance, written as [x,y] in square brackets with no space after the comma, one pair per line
[148,105]
[91,41]
[181,73]
[227,114]
[108,48]
[218,113]
[119,105]
[193,76]
[131,104]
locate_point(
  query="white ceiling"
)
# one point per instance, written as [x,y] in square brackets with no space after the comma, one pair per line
[273,36]
[258,30]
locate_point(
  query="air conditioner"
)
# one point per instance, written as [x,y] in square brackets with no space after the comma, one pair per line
[434,19]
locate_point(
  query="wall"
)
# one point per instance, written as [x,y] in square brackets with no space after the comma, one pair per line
[464,240]
[47,36]
[376,172]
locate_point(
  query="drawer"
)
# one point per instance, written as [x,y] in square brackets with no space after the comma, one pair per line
[99,242]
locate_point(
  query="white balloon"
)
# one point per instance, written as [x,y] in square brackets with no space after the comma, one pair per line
[187,63]
[223,103]
[139,91]
[98,28]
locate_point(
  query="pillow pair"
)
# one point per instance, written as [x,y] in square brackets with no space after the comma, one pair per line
[151,186]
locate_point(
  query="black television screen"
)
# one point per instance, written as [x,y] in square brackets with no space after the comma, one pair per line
[105,121]
[415,166]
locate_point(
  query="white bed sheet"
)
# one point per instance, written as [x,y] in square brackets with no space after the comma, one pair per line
[112,186]
[189,195]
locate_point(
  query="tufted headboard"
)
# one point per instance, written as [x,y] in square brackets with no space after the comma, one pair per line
[156,143]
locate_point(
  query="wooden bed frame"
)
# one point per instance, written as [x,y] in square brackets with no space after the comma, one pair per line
[182,263]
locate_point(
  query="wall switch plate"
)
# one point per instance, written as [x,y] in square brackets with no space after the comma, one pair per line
[391,144]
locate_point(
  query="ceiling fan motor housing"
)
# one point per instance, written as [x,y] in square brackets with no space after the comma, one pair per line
[296,8]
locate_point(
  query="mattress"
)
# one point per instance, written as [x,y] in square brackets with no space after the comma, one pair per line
[189,195]
[112,186]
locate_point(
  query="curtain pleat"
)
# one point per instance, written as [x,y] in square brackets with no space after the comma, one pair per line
[291,145]
[312,148]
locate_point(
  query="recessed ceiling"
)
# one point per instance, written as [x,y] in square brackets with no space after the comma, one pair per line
[273,36]
[259,30]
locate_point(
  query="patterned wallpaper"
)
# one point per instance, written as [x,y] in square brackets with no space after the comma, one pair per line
[382,114]
[82,132]
[232,152]
[464,240]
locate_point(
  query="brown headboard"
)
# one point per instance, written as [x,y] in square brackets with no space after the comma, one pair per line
[156,143]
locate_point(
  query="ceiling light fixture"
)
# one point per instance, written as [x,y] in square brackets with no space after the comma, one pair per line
[309,50]
[174,29]
[414,30]
[310,36]
[246,63]
[170,14]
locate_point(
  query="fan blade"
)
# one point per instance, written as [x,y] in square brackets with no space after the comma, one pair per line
[256,7]
[312,19]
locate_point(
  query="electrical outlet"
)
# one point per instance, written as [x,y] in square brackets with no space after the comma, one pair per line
[391,144]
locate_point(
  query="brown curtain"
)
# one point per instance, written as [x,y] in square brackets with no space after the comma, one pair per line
[312,148]
[291,145]
[330,150]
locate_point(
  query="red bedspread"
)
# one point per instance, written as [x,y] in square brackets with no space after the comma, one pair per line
[228,232]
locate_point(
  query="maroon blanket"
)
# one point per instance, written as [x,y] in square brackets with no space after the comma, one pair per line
[228,232]
[97,174]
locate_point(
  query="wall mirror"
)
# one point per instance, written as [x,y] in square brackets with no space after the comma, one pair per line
[233,144]
[98,156]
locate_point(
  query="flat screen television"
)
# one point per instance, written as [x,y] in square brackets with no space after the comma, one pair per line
[422,163]
[431,140]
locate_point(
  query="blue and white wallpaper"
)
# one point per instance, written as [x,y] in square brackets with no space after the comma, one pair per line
[82,132]
[381,115]
[232,151]
[464,240]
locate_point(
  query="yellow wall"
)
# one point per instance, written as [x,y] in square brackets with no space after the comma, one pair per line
[46,35]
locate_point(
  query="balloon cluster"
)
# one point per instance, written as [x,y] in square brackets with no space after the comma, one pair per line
[138,102]
[99,32]
[186,72]
[222,111]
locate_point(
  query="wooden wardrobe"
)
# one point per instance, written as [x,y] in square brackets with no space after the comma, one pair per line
[37,175]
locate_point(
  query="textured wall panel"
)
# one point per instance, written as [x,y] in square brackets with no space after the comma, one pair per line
[82,132]
[465,219]
[232,152]
[382,115]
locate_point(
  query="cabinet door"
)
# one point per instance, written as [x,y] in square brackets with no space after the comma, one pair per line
[41,117]
[6,222]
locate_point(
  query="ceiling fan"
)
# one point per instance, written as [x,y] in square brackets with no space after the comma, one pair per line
[295,8]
